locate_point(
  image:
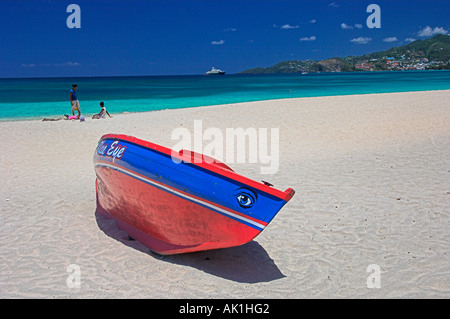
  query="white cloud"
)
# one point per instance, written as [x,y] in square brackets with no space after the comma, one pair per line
[361,40]
[346,26]
[311,38]
[312,21]
[334,5]
[230,30]
[429,31]
[390,39]
[68,63]
[410,39]
[288,26]
[220,42]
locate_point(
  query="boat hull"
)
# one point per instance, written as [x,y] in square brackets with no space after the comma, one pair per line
[215,73]
[178,207]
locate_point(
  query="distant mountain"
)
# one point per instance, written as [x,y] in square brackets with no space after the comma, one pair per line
[429,54]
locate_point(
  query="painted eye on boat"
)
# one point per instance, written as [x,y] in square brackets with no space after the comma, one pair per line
[245,198]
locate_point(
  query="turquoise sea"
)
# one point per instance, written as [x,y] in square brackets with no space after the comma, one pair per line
[49,97]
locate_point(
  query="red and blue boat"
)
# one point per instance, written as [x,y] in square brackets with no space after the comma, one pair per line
[179,202]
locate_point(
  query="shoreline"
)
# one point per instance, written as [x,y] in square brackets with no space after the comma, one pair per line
[88,116]
[370,174]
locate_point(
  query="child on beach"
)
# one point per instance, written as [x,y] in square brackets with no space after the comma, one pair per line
[101,114]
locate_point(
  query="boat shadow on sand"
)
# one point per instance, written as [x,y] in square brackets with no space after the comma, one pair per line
[248,263]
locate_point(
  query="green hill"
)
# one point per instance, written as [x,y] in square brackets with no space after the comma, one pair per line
[433,53]
[436,48]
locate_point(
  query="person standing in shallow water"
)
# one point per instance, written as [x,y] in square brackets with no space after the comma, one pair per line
[74,100]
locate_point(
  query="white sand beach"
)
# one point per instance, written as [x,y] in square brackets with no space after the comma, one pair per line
[371,175]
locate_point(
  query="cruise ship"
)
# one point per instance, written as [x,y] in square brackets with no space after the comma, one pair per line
[215,71]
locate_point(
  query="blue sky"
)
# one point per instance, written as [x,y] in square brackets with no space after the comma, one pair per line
[170,37]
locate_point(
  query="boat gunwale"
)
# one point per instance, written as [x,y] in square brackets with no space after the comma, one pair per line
[286,195]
